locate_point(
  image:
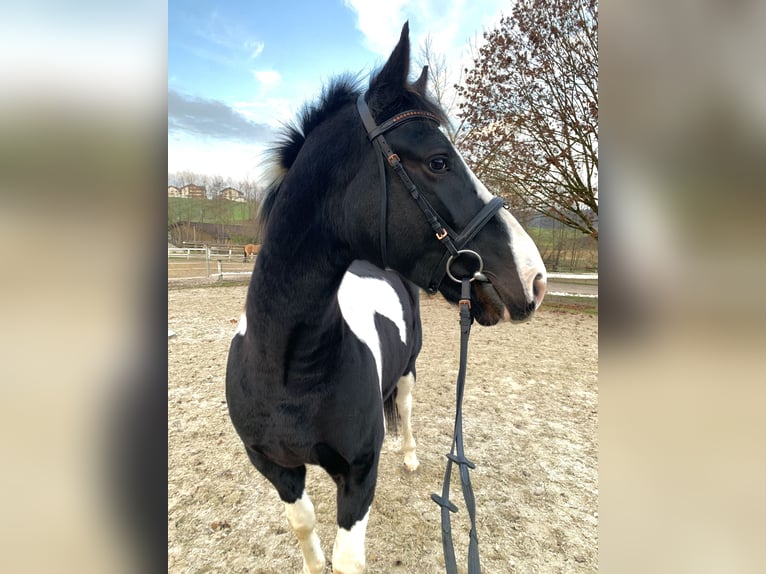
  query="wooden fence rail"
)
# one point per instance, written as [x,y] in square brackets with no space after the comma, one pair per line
[186,252]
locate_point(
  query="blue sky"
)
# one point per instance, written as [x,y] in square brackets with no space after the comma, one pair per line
[238,69]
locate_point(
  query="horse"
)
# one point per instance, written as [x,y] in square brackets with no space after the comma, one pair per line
[250,249]
[323,359]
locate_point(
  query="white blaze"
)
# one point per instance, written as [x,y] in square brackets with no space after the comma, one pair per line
[525,253]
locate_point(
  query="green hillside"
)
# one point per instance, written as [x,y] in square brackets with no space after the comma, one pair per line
[209,211]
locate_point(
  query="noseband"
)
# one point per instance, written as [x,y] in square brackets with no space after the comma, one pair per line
[452,241]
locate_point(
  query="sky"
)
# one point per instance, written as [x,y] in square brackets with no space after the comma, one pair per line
[239,69]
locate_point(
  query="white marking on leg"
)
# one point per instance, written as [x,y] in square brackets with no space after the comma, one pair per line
[242,325]
[301,517]
[348,551]
[404,405]
[360,298]
[526,256]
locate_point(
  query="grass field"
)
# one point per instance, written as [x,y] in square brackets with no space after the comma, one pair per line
[208,210]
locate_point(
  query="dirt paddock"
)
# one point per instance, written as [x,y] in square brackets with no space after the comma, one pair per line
[530,425]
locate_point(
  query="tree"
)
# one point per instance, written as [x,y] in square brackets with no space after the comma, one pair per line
[441,84]
[531,104]
[253,196]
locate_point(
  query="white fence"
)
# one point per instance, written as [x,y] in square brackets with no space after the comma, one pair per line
[186,252]
[205,262]
[576,276]
[189,252]
[573,285]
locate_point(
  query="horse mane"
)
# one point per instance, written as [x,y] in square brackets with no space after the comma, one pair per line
[281,156]
[338,93]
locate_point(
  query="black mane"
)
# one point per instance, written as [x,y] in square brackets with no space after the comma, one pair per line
[340,92]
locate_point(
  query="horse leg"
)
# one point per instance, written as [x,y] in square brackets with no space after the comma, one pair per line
[356,490]
[291,486]
[300,515]
[404,406]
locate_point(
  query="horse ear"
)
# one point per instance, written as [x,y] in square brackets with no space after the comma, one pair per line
[392,78]
[421,83]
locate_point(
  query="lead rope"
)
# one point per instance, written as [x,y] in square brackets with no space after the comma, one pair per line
[457,455]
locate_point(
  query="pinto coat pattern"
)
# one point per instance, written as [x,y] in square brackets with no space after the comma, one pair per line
[327,345]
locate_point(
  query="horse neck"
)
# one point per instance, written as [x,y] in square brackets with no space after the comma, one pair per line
[287,284]
[309,243]
[292,300]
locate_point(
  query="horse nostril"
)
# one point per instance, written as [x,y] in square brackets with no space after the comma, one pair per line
[538,288]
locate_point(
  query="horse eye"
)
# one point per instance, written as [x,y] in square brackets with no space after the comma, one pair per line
[438,164]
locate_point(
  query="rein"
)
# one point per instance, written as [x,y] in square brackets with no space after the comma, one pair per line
[453,243]
[456,455]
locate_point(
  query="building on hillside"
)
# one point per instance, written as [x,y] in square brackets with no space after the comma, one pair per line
[232,194]
[173,191]
[193,191]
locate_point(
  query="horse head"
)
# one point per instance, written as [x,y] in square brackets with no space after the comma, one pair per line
[511,278]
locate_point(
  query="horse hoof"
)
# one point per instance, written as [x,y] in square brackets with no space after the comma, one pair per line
[411,463]
[317,568]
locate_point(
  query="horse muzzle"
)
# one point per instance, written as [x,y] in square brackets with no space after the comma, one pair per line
[494,303]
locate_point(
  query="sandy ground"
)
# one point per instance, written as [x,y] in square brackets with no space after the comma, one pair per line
[530,424]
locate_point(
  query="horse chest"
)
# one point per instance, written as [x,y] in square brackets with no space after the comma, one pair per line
[375,314]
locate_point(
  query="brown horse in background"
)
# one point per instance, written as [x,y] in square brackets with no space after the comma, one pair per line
[251,249]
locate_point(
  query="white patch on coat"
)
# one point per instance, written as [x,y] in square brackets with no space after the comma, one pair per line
[301,517]
[348,551]
[360,298]
[526,256]
[242,325]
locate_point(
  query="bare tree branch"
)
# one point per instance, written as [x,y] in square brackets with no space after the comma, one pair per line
[530,107]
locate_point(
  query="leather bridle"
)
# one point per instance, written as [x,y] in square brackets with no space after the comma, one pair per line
[453,242]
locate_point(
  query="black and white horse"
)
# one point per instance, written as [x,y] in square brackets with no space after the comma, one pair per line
[325,352]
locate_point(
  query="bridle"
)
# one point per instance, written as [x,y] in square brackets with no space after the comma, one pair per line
[454,244]
[452,241]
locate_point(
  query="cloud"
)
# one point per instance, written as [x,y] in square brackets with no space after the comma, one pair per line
[218,38]
[216,157]
[212,118]
[273,111]
[267,78]
[255,48]
[450,27]
[378,26]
